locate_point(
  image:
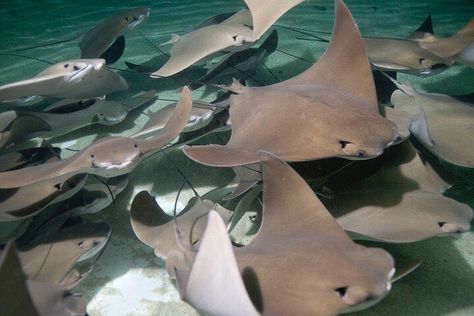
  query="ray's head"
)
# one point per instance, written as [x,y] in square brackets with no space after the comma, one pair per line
[135,17]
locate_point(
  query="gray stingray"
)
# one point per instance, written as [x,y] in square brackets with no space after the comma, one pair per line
[24,125]
[442,123]
[78,78]
[235,33]
[107,157]
[106,40]
[51,258]
[299,263]
[156,229]
[33,298]
[29,200]
[455,46]
[399,203]
[324,112]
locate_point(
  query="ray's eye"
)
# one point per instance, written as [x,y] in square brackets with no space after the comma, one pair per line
[76,68]
[135,18]
[341,291]
[126,18]
[66,65]
[344,143]
[92,156]
[135,145]
[421,60]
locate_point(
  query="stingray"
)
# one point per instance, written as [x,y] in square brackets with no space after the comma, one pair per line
[240,62]
[29,200]
[33,298]
[440,122]
[52,257]
[79,78]
[156,229]
[21,158]
[324,112]
[30,124]
[107,157]
[400,203]
[453,46]
[106,40]
[299,263]
[235,33]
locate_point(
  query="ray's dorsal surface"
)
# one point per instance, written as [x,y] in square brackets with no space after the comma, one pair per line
[96,42]
[399,203]
[20,297]
[323,112]
[75,79]
[234,33]
[300,262]
[107,157]
[441,123]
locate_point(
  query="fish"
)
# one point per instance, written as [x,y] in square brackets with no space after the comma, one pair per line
[75,79]
[28,297]
[237,32]
[106,40]
[326,111]
[441,123]
[108,157]
[322,271]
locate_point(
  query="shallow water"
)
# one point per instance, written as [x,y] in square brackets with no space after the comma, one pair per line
[129,279]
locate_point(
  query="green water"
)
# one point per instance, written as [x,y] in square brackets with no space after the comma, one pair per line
[443,285]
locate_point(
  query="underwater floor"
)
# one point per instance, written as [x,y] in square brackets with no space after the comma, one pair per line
[129,279]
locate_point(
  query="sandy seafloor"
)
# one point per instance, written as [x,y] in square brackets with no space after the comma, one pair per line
[129,279]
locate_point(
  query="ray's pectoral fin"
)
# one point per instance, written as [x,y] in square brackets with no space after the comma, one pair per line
[115,51]
[219,155]
[215,273]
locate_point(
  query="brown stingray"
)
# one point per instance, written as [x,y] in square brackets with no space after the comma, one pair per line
[299,263]
[51,258]
[443,124]
[107,157]
[399,203]
[156,229]
[326,111]
[33,298]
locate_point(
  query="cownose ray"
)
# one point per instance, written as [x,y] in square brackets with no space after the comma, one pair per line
[156,229]
[29,200]
[106,40]
[51,258]
[107,157]
[235,33]
[92,198]
[440,122]
[458,46]
[299,263]
[75,79]
[323,112]
[33,298]
[399,203]
[25,124]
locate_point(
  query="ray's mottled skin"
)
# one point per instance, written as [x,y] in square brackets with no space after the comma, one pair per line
[323,112]
[78,78]
[106,39]
[300,262]
[107,157]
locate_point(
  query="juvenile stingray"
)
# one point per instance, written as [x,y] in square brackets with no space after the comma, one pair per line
[106,40]
[156,229]
[399,203]
[30,124]
[107,157]
[452,47]
[235,33]
[51,258]
[299,263]
[27,297]
[324,112]
[442,123]
[76,79]
[240,63]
